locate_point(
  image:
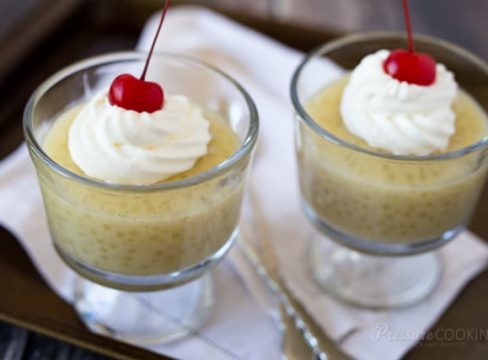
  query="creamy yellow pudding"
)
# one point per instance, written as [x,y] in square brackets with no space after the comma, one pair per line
[146,232]
[384,200]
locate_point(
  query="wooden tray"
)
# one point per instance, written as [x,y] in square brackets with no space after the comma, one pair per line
[112,25]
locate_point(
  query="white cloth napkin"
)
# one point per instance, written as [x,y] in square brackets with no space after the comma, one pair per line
[243,326]
[265,68]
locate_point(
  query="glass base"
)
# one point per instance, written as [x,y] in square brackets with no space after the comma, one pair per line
[371,281]
[145,318]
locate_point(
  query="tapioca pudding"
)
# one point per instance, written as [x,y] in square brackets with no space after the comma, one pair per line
[145,232]
[383,198]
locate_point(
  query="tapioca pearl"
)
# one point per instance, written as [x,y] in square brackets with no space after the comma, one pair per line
[85,250]
[386,170]
[180,251]
[422,214]
[125,263]
[196,248]
[176,236]
[365,196]
[160,203]
[422,175]
[188,241]
[407,215]
[364,205]
[352,162]
[169,257]
[385,167]
[145,267]
[150,208]
[134,207]
[56,223]
[107,227]
[390,216]
[401,231]
[98,238]
[105,257]
[154,239]
[85,217]
[361,216]
[168,238]
[322,200]
[120,234]
[443,209]
[391,177]
[369,227]
[434,173]
[158,254]
[410,178]
[348,157]
[455,195]
[62,217]
[340,212]
[123,243]
[113,245]
[216,242]
[132,233]
[387,208]
[388,227]
[429,219]
[104,249]
[411,225]
[93,232]
[438,222]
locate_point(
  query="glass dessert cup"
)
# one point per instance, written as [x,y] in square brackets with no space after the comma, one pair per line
[379,217]
[144,252]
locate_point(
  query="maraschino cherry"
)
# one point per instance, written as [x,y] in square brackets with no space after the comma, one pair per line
[131,93]
[407,65]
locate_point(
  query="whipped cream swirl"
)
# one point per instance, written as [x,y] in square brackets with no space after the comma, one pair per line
[122,146]
[401,118]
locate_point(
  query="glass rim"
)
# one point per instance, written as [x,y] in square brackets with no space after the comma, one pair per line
[244,150]
[347,39]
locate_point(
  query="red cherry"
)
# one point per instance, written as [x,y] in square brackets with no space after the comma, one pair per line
[130,93]
[409,66]
[414,68]
[135,94]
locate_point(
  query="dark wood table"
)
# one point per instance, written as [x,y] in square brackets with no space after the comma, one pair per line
[34,29]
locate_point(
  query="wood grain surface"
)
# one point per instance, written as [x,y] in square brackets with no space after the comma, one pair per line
[460,21]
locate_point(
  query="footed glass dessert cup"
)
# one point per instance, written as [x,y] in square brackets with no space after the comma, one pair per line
[144,252]
[381,217]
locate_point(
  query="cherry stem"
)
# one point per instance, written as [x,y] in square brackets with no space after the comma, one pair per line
[161,21]
[408,24]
